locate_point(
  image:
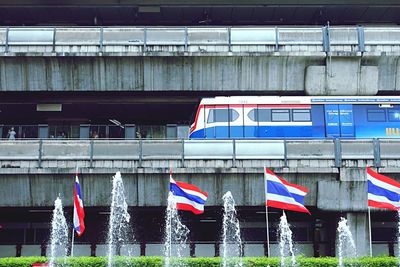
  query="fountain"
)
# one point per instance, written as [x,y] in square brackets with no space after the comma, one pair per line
[176,234]
[232,242]
[59,234]
[346,246]
[118,227]
[286,248]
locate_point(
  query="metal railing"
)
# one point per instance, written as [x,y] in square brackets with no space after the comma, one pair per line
[181,150]
[326,36]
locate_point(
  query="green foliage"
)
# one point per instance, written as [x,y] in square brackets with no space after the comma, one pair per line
[21,261]
[120,261]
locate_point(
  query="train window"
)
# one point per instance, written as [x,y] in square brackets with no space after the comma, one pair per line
[260,114]
[394,115]
[221,115]
[253,115]
[280,115]
[301,115]
[264,114]
[376,115]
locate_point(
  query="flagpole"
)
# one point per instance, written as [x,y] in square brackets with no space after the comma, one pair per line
[73,212]
[266,211]
[72,242]
[370,234]
[170,216]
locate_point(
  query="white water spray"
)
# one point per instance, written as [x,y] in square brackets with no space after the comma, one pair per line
[286,247]
[346,246]
[231,240]
[118,228]
[59,234]
[176,234]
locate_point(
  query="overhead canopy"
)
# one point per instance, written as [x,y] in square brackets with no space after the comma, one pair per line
[198,12]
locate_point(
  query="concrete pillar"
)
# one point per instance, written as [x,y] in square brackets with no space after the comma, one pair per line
[358,223]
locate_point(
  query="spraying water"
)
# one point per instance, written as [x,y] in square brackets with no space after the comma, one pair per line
[119,219]
[59,234]
[232,242]
[176,234]
[346,246]
[285,237]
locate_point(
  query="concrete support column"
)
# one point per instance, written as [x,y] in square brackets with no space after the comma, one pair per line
[358,223]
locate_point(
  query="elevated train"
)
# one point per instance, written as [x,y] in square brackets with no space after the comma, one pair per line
[297,117]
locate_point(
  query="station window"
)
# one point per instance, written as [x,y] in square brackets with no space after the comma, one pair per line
[394,115]
[151,131]
[280,115]
[376,115]
[222,115]
[301,115]
[116,131]
[11,236]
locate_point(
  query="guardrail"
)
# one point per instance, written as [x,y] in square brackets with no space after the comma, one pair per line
[326,37]
[140,150]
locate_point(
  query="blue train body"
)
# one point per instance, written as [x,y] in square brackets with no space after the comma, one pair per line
[297,118]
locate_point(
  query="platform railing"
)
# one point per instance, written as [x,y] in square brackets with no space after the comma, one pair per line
[141,150]
[325,37]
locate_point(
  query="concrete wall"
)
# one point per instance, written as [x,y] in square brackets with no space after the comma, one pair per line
[29,178]
[154,73]
[149,187]
[312,74]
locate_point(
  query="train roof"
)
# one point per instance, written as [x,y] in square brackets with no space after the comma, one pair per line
[230,100]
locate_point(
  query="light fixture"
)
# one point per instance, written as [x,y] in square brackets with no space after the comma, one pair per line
[269,212]
[114,121]
[208,220]
[49,107]
[386,106]
[149,9]
[39,211]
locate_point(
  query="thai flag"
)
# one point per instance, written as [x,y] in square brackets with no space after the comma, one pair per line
[383,192]
[79,213]
[283,195]
[188,197]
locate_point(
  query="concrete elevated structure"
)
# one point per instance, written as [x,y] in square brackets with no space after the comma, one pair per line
[309,60]
[34,173]
[98,74]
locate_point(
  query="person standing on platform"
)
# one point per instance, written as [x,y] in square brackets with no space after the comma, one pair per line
[11,134]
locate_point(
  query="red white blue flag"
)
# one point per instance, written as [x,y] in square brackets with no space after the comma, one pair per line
[79,213]
[383,192]
[187,196]
[283,195]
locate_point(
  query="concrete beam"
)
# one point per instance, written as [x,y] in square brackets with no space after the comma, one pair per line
[144,189]
[342,196]
[313,75]
[252,74]
[342,76]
